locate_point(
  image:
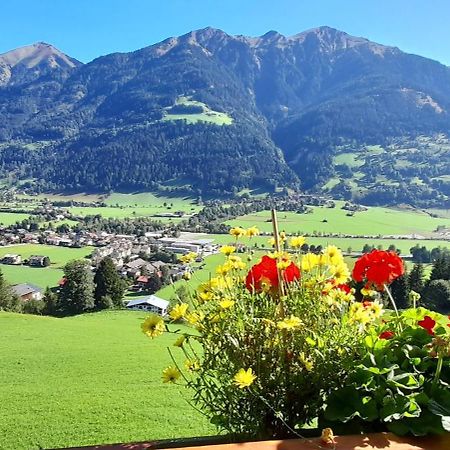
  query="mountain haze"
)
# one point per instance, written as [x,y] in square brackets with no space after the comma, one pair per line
[217,113]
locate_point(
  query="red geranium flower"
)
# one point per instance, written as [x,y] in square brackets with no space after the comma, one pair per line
[378,268]
[386,335]
[264,275]
[428,323]
[344,287]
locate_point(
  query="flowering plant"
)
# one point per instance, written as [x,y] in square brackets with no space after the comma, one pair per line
[401,382]
[275,345]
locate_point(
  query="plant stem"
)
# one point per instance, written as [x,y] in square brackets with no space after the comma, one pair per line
[394,305]
[437,375]
[391,299]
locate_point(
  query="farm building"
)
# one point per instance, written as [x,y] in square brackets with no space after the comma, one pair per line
[27,291]
[151,304]
[38,261]
[11,259]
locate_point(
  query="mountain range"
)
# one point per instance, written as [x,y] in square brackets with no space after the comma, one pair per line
[212,113]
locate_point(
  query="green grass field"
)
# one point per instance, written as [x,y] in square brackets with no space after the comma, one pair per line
[86,380]
[45,276]
[375,221]
[42,277]
[208,114]
[7,218]
[145,204]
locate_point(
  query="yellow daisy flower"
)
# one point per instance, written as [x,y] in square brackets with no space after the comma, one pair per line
[340,273]
[244,378]
[309,261]
[226,303]
[289,323]
[227,249]
[192,365]
[237,232]
[188,258]
[297,241]
[180,341]
[252,231]
[334,254]
[153,326]
[170,374]
[178,311]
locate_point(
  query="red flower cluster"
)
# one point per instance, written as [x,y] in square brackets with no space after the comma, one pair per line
[344,287]
[428,323]
[386,335]
[378,268]
[264,275]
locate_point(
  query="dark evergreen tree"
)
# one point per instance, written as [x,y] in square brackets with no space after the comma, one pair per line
[437,296]
[416,280]
[8,301]
[154,283]
[50,301]
[400,291]
[77,294]
[440,270]
[108,283]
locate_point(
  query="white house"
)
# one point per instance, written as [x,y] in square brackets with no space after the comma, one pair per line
[27,291]
[151,304]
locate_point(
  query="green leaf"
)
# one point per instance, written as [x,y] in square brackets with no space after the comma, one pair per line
[406,381]
[398,407]
[346,403]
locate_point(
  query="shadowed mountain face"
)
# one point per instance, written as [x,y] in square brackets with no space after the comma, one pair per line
[220,112]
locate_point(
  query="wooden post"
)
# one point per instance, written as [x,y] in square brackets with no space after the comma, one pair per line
[275,230]
[276,235]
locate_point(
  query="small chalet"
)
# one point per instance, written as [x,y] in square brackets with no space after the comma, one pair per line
[38,261]
[27,292]
[152,303]
[12,259]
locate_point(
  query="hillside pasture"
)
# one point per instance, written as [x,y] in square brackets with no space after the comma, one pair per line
[86,380]
[375,221]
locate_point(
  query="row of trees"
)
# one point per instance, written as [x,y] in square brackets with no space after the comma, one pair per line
[81,291]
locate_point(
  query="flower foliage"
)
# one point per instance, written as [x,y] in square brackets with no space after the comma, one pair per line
[401,381]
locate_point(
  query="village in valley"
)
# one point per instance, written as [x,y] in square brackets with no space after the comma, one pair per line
[131,255]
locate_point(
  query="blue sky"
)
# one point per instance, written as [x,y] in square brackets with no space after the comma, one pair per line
[85,29]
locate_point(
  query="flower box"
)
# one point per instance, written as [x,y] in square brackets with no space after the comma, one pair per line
[373,441]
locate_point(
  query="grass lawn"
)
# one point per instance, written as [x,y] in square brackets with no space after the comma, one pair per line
[86,380]
[59,256]
[7,218]
[374,221]
[121,206]
[40,276]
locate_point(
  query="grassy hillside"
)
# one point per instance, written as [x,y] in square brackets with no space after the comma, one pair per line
[85,380]
[374,221]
